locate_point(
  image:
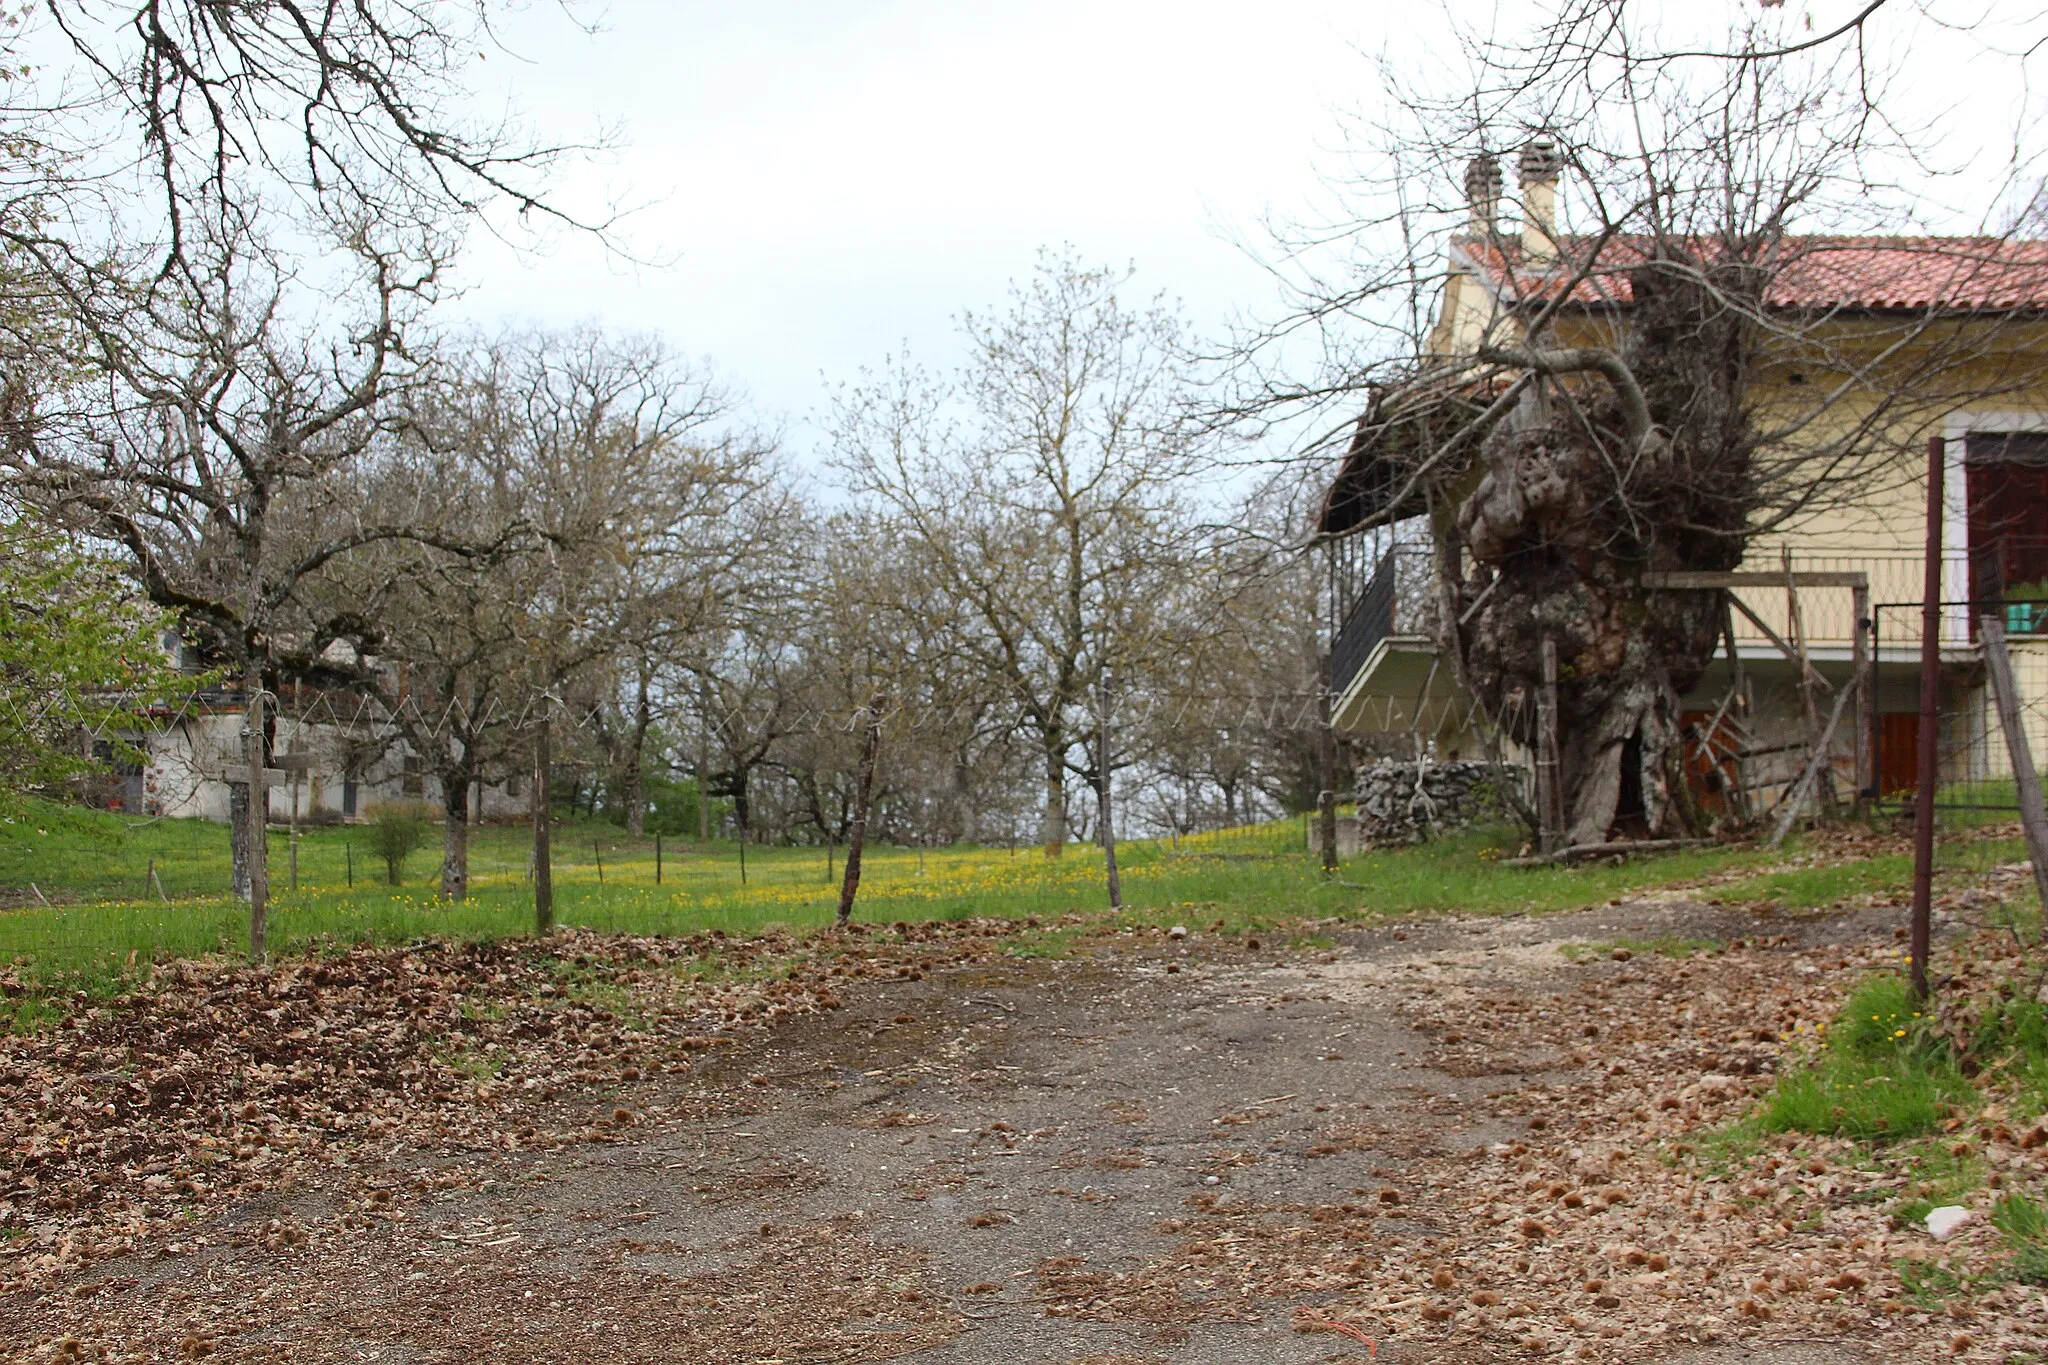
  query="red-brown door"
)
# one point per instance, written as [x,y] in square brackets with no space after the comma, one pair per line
[1709,767]
[1898,752]
[2006,492]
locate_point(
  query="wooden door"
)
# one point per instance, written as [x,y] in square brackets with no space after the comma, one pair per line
[1709,764]
[2006,494]
[1898,752]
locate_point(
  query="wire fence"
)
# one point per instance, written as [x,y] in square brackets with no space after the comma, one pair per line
[1973,765]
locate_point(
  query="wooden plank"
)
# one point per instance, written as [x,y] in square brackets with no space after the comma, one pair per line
[1822,755]
[1610,850]
[1796,619]
[1739,689]
[2005,696]
[1773,637]
[1806,578]
[238,773]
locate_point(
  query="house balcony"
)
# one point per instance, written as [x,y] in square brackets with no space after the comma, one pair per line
[1383,664]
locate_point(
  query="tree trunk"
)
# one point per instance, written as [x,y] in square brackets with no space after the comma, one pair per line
[238,837]
[1637,702]
[863,793]
[455,785]
[255,752]
[1054,832]
[543,869]
[966,827]
[703,785]
[633,777]
[1107,834]
[1575,502]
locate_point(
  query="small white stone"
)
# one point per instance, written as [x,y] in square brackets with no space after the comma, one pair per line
[1177,931]
[1945,1220]
[1212,1180]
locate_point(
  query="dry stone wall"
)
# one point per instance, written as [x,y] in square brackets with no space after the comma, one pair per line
[1405,803]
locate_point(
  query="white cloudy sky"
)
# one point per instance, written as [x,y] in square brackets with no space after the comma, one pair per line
[830,178]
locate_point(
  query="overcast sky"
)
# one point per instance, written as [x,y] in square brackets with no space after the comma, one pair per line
[831,179]
[826,179]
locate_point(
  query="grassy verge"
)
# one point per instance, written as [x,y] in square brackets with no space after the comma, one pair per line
[1934,1103]
[103,928]
[1881,1073]
[106,924]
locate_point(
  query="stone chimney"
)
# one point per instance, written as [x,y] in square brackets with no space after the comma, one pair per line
[1539,165]
[1482,194]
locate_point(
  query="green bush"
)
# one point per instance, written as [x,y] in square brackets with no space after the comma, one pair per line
[1883,1074]
[672,806]
[2012,1028]
[396,833]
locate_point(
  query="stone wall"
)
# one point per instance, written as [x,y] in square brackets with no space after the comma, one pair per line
[1452,795]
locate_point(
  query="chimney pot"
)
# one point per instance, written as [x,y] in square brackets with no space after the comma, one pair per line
[1483,182]
[1539,165]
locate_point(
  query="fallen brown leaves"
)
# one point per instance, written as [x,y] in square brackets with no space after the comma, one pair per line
[136,1122]
[1634,1214]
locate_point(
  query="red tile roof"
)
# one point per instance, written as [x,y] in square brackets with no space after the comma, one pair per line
[1855,273]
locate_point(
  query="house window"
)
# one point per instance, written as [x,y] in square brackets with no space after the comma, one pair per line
[410,783]
[348,797]
[512,786]
[2006,490]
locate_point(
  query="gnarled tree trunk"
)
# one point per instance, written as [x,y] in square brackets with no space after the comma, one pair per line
[1584,488]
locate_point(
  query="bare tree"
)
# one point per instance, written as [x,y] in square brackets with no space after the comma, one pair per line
[640,511]
[1048,513]
[175,117]
[207,448]
[445,627]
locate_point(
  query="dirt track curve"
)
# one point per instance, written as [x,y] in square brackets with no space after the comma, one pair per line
[1168,1152]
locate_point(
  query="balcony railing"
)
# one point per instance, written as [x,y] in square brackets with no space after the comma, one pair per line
[1397,601]
[2009,568]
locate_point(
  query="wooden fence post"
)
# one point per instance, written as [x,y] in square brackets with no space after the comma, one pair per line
[1549,789]
[1920,933]
[1326,763]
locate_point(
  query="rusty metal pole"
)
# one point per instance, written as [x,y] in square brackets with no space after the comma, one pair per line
[1930,715]
[1864,666]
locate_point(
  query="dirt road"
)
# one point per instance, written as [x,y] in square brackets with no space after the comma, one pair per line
[1188,1150]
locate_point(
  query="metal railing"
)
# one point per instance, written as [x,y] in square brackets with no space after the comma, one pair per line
[1828,615]
[2009,566]
[1397,601]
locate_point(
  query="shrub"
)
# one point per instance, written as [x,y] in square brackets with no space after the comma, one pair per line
[396,833]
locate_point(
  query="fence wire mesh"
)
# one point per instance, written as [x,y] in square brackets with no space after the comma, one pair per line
[1973,763]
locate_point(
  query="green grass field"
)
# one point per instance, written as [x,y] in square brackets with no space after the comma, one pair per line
[103,925]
